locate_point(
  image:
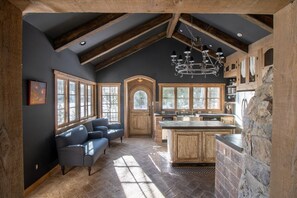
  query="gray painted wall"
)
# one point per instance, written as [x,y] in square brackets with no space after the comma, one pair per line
[153,61]
[39,60]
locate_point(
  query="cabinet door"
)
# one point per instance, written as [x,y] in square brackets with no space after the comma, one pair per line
[209,146]
[188,147]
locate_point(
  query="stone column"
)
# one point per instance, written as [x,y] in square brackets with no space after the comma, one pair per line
[11,137]
[257,133]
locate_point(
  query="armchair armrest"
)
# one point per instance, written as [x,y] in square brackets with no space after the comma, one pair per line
[102,129]
[95,135]
[73,149]
[72,155]
[114,126]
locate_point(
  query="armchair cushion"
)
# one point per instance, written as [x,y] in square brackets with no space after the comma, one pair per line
[95,134]
[115,133]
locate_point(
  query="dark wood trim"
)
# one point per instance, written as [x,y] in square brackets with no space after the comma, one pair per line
[185,40]
[214,33]
[263,21]
[86,30]
[172,24]
[109,61]
[124,38]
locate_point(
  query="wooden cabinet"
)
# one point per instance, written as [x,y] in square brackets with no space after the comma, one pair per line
[250,68]
[248,72]
[157,133]
[193,145]
[209,146]
[188,147]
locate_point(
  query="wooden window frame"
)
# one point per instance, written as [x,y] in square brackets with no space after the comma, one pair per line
[70,78]
[161,96]
[176,97]
[191,86]
[100,85]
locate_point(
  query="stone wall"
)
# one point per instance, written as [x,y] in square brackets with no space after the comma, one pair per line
[257,133]
[228,170]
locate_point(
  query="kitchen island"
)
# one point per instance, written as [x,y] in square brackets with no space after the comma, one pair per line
[193,141]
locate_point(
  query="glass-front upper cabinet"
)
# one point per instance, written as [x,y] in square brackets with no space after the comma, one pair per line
[243,71]
[252,69]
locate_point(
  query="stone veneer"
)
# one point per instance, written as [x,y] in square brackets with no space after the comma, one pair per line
[228,171]
[257,134]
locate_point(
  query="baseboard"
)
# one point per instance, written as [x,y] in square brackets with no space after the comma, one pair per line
[40,181]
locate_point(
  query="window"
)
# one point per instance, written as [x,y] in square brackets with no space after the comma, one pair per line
[90,100]
[193,97]
[140,100]
[199,98]
[74,99]
[61,101]
[213,98]
[183,96]
[109,95]
[168,98]
[82,101]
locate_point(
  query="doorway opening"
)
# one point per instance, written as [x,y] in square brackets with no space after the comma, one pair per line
[139,105]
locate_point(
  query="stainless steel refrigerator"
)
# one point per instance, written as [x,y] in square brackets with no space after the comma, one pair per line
[242,100]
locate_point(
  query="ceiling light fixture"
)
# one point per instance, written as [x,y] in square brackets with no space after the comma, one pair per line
[239,34]
[188,66]
[82,43]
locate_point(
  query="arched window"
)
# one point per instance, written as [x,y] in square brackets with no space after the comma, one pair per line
[140,100]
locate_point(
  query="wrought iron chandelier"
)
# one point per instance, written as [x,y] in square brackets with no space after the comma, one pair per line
[188,66]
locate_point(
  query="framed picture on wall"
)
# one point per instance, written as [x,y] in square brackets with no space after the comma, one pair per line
[37,93]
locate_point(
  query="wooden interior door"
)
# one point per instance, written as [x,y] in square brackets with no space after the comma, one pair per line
[140,115]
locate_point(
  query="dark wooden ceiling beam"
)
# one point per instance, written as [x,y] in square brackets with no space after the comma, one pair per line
[263,21]
[185,40]
[214,33]
[172,24]
[147,42]
[86,30]
[124,38]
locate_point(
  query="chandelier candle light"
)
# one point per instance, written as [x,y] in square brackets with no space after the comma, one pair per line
[188,66]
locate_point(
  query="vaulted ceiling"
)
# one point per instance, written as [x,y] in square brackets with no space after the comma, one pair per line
[111,37]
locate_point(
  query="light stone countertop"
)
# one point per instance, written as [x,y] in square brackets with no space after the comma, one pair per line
[195,125]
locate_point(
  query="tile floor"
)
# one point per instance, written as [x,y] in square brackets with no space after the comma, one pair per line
[138,167]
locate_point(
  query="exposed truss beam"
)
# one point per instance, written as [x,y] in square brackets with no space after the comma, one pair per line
[156,6]
[172,24]
[86,30]
[214,33]
[263,21]
[109,61]
[185,40]
[124,38]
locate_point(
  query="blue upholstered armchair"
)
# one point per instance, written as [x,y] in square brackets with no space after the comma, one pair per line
[78,147]
[110,131]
